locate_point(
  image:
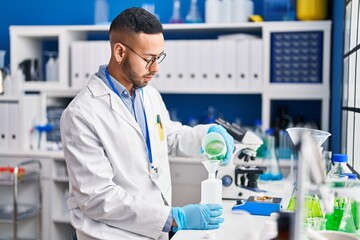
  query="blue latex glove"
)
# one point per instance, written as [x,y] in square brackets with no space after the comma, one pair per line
[198,216]
[229,140]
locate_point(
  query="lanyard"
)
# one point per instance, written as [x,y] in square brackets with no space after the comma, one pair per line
[148,145]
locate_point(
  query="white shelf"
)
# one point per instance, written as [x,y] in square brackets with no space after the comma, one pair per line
[65,218]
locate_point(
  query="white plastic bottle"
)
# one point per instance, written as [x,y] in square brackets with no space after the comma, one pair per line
[51,67]
[211,188]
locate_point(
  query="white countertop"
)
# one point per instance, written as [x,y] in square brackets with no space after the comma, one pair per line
[235,227]
[239,226]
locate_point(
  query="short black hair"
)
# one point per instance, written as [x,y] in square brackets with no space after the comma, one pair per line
[136,20]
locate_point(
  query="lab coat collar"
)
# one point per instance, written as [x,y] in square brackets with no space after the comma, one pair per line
[98,88]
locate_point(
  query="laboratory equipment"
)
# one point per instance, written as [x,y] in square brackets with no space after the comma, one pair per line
[51,67]
[21,207]
[340,169]
[347,221]
[239,172]
[176,14]
[101,12]
[259,205]
[30,68]
[319,136]
[150,7]
[311,9]
[214,146]
[193,15]
[308,144]
[279,10]
[211,191]
[271,162]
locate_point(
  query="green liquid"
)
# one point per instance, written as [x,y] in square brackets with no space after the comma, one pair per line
[334,219]
[312,207]
[214,148]
[355,213]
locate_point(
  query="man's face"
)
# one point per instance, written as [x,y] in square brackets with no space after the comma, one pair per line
[139,64]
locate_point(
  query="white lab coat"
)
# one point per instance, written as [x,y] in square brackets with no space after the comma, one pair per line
[112,195]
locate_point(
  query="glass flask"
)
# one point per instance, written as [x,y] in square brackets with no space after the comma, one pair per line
[176,15]
[271,162]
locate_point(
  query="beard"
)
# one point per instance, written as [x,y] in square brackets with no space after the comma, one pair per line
[129,74]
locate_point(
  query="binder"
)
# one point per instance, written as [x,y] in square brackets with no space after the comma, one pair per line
[13,130]
[256,60]
[4,125]
[243,64]
[90,57]
[206,70]
[193,59]
[77,64]
[167,68]
[217,62]
[229,62]
[181,71]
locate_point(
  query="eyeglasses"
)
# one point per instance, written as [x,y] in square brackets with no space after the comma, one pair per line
[158,58]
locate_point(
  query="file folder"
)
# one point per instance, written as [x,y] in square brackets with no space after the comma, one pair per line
[243,64]
[77,64]
[256,60]
[193,61]
[229,63]
[13,130]
[181,71]
[206,72]
[217,65]
[4,125]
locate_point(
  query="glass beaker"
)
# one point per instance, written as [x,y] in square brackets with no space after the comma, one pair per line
[214,146]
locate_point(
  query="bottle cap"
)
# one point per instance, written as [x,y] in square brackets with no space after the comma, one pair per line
[269,131]
[350,175]
[340,158]
[258,123]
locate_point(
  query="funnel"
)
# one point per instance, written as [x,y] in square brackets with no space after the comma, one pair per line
[211,188]
[319,136]
[211,166]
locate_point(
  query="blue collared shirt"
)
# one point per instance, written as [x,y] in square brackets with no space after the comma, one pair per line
[132,102]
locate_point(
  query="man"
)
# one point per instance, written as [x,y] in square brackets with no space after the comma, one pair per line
[117,135]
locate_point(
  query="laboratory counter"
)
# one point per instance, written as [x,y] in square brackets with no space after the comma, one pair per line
[239,225]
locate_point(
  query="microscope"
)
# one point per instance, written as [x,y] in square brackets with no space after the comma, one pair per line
[240,172]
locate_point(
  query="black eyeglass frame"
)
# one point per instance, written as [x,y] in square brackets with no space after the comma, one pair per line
[150,62]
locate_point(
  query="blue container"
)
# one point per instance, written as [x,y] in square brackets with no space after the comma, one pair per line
[279,10]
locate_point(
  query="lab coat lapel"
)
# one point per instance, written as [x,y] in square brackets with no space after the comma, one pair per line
[161,180]
[99,88]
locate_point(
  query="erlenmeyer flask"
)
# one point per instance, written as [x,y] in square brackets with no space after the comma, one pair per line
[271,162]
[347,221]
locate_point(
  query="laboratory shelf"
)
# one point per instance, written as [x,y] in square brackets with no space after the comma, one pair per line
[65,218]
[20,202]
[19,238]
[24,211]
[28,177]
[61,179]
